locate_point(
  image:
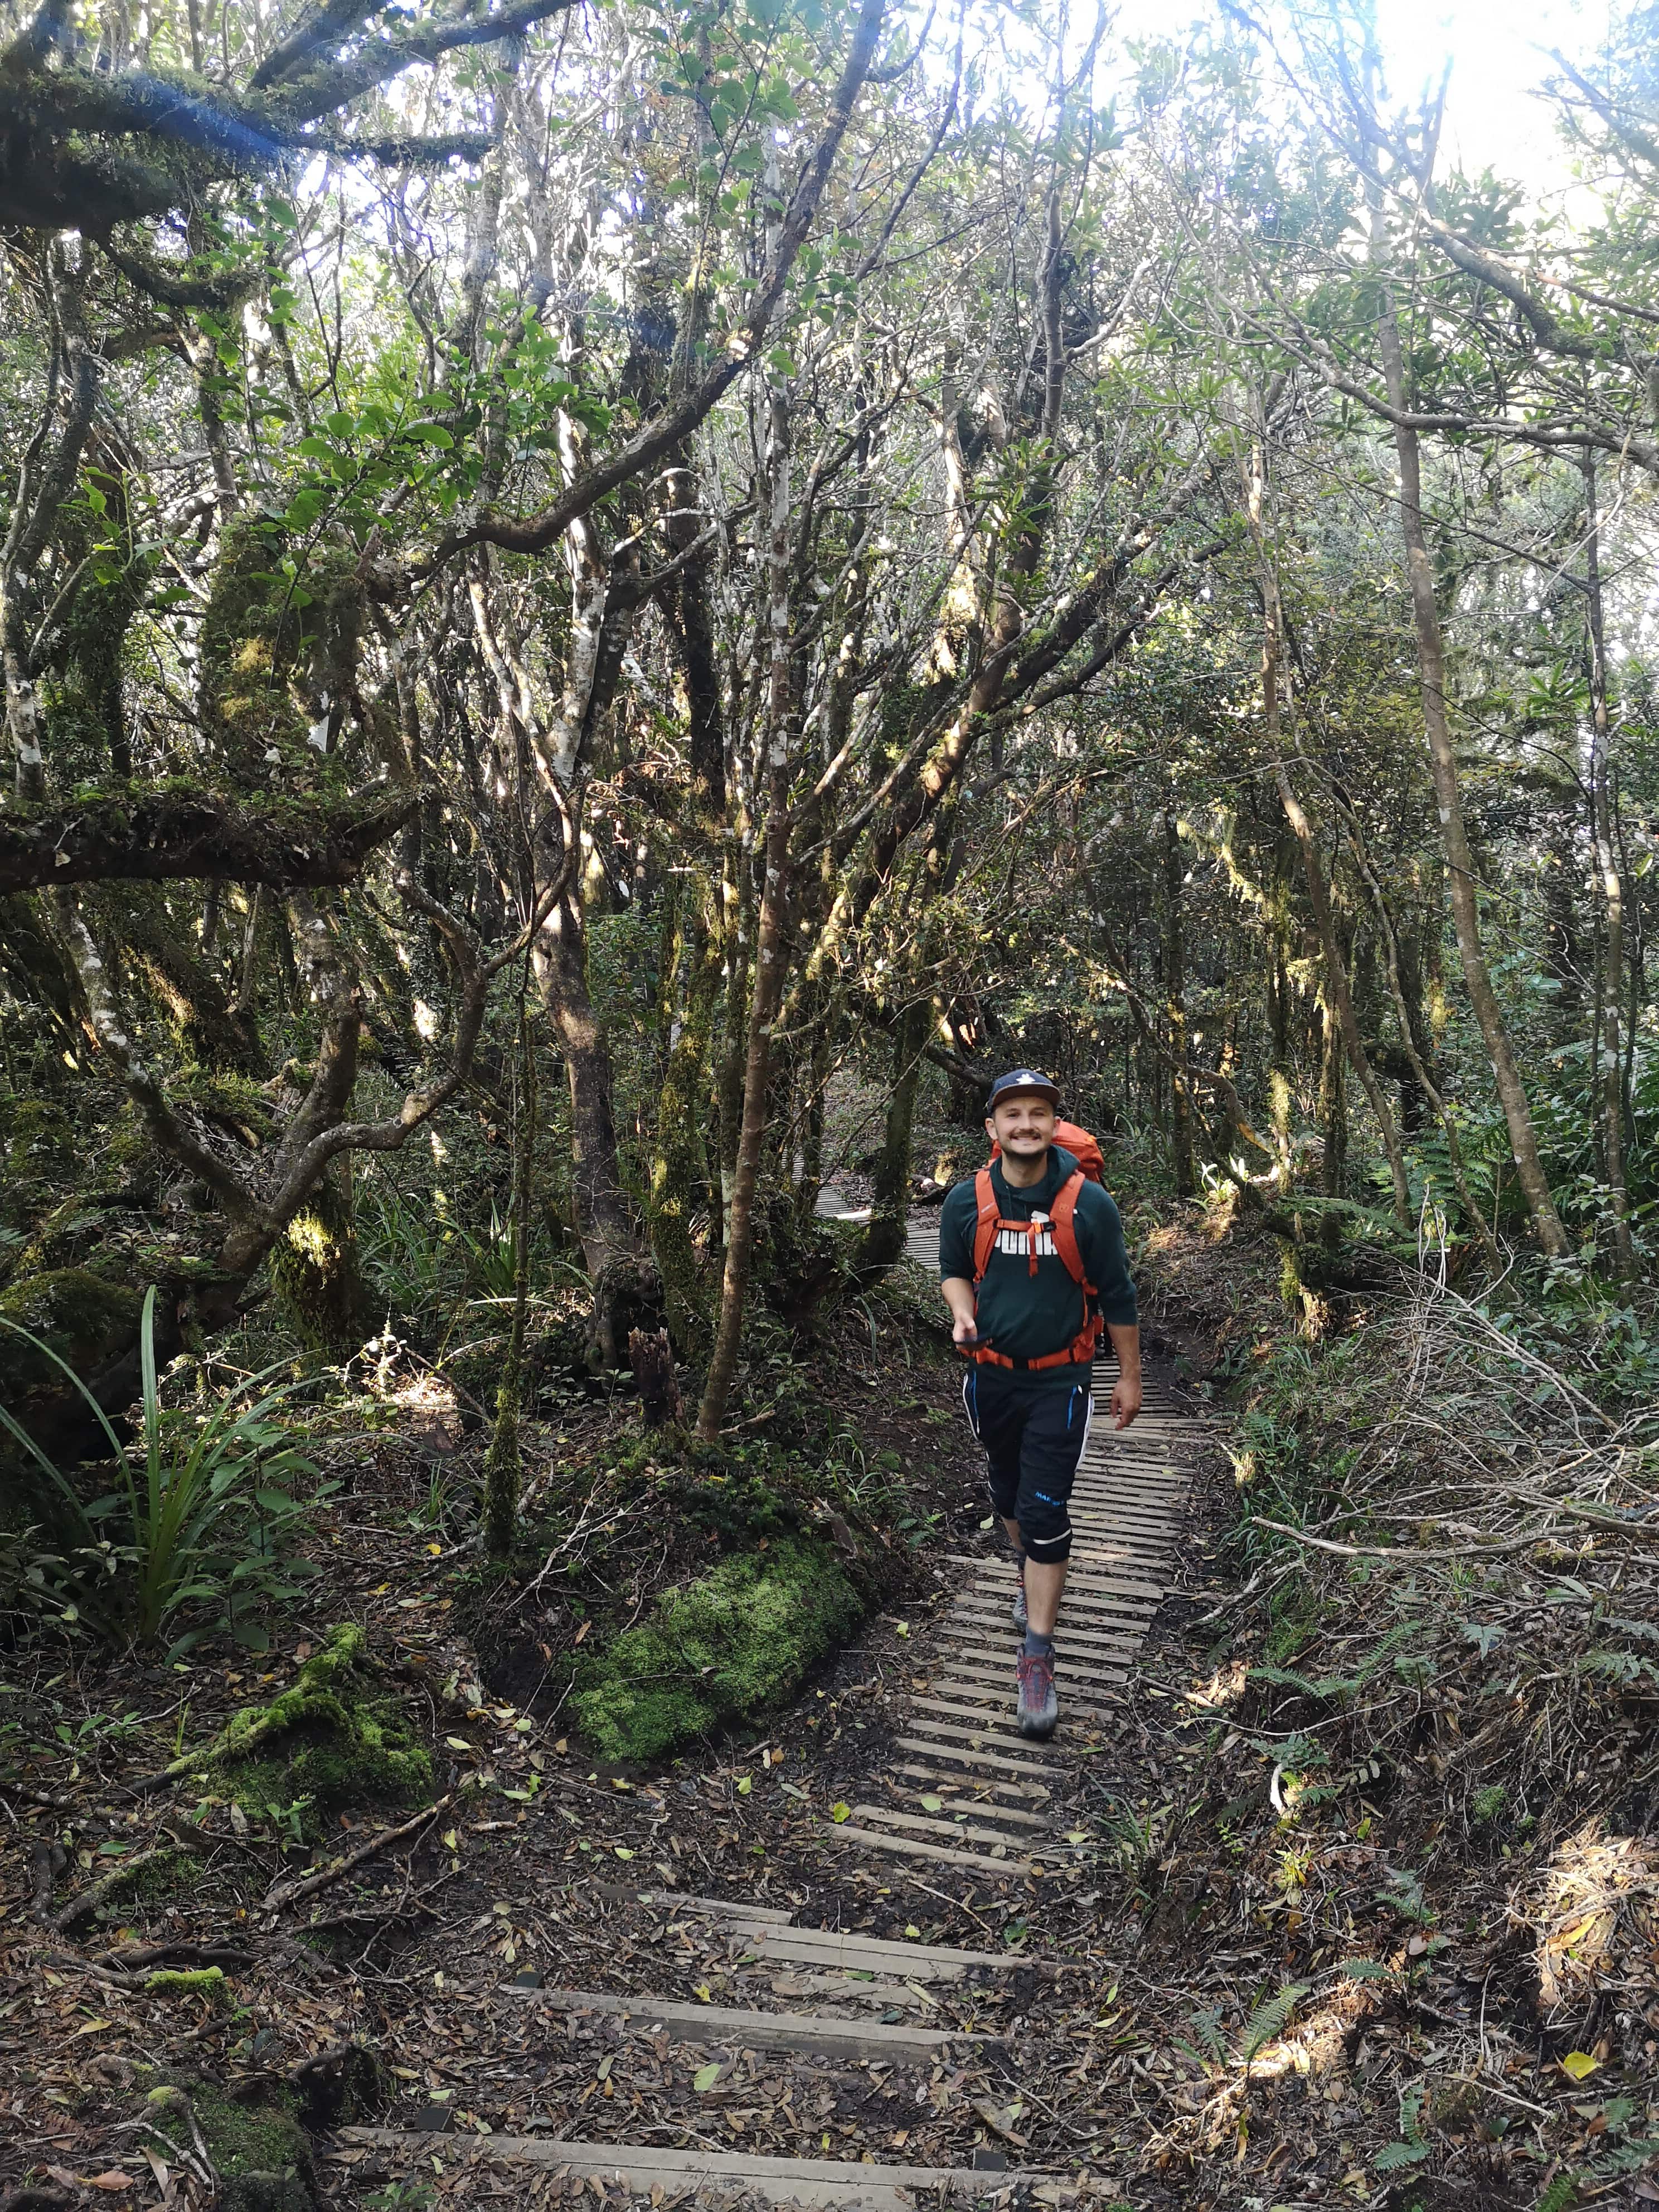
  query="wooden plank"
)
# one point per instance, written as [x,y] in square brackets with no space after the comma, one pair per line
[834,1946]
[816,2183]
[934,1825]
[980,1807]
[912,1847]
[938,1780]
[744,2030]
[993,1762]
[722,1908]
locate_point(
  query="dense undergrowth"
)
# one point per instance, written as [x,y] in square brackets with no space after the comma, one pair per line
[1402,1844]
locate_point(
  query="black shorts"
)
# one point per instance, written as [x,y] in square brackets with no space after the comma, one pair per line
[1033,1437]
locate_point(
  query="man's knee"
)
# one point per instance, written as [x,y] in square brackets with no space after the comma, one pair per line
[1045,1527]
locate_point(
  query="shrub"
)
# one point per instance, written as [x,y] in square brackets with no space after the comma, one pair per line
[205,1512]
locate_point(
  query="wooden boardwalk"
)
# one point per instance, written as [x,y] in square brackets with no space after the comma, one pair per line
[957,1792]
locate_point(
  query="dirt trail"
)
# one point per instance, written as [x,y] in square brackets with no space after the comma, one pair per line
[754,2014]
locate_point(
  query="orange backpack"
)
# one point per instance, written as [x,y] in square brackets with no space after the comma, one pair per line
[990,1224]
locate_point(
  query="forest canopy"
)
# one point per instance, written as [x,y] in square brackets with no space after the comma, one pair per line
[735,550]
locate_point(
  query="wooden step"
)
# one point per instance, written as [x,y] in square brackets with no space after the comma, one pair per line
[827,2182]
[734,2029]
[964,1631]
[931,1827]
[981,1808]
[937,1780]
[832,1947]
[990,1762]
[995,1690]
[913,1847]
[714,1908]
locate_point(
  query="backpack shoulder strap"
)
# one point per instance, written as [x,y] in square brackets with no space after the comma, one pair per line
[1063,1217]
[985,1226]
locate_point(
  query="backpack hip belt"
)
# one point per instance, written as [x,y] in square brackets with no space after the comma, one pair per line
[990,1224]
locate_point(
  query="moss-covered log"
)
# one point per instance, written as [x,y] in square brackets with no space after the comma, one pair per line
[187,832]
[734,1642]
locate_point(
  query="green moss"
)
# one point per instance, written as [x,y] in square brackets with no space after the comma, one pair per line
[85,1320]
[189,1982]
[335,1739]
[734,1642]
[258,2148]
[39,1137]
[315,1275]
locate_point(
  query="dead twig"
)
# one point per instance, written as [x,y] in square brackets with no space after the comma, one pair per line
[284,1893]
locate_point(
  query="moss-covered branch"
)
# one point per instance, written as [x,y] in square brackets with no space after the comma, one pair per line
[171,834]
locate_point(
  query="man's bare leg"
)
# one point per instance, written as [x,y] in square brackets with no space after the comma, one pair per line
[1045,1585]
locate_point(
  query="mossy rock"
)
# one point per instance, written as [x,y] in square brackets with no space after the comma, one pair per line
[337,1738]
[736,1641]
[89,1323]
[259,2150]
[38,1137]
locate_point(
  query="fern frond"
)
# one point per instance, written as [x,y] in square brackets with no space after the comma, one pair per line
[1396,2154]
[1270,2018]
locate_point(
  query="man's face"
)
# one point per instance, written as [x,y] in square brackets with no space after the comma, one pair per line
[1023,1126]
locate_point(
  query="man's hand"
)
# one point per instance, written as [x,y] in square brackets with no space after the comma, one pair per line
[959,1296]
[1126,1391]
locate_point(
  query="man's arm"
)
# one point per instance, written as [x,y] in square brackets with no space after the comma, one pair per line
[1126,1391]
[1108,1255]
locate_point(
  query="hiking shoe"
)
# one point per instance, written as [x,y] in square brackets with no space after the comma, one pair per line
[1018,1616]
[1039,1707]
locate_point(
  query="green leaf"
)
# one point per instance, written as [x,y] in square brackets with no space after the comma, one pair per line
[840,1811]
[705,2078]
[1397,2154]
[430,434]
[1579,2065]
[932,1804]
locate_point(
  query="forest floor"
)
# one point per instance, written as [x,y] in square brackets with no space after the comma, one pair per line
[1223,1998]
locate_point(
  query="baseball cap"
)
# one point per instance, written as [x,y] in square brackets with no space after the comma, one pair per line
[1022,1083]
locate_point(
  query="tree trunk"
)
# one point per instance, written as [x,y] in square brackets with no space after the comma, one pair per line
[771,948]
[680,1162]
[1175,1008]
[1608,1051]
[1442,762]
[604,1225]
[1406,1015]
[503,1465]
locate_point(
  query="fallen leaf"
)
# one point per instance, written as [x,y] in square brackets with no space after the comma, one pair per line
[622,1851]
[746,1784]
[841,1811]
[581,1634]
[705,2077]
[901,1628]
[1579,2065]
[114,2179]
[160,2168]
[458,1743]
[932,1804]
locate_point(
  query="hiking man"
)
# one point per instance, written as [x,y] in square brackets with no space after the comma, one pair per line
[1031,1261]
